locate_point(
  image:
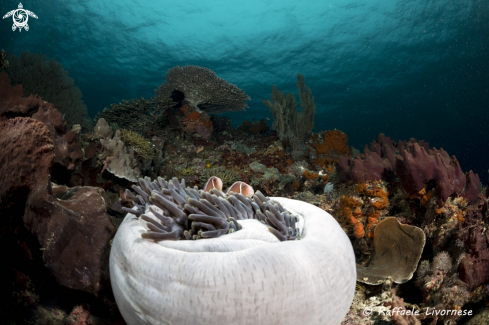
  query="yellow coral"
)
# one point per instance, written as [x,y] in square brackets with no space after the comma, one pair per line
[138,143]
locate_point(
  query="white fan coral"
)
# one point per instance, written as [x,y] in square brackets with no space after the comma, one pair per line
[244,277]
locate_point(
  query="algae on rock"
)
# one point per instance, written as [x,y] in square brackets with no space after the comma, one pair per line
[138,143]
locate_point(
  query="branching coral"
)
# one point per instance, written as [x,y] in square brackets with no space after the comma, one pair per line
[288,122]
[138,115]
[203,89]
[140,145]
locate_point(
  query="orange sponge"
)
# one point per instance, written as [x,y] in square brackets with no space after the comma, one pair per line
[333,140]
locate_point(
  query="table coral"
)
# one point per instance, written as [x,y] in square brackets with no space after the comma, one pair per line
[203,89]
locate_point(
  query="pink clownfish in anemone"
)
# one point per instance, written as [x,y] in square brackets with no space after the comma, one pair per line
[237,187]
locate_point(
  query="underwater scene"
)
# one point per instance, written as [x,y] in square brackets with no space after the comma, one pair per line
[244,162]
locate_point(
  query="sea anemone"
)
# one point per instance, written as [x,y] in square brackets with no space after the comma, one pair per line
[248,276]
[173,211]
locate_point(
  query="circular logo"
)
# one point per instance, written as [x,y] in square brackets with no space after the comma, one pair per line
[367,311]
[20,18]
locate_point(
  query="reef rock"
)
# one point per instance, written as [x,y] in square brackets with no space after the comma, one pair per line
[70,224]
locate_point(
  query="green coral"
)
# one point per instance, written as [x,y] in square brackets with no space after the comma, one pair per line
[228,176]
[114,127]
[138,143]
[186,171]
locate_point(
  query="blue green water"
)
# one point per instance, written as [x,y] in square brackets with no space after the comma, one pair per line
[407,68]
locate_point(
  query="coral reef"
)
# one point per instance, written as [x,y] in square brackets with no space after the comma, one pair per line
[397,202]
[203,90]
[288,122]
[424,189]
[49,80]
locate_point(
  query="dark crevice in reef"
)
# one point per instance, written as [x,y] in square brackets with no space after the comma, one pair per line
[61,175]
[178,97]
